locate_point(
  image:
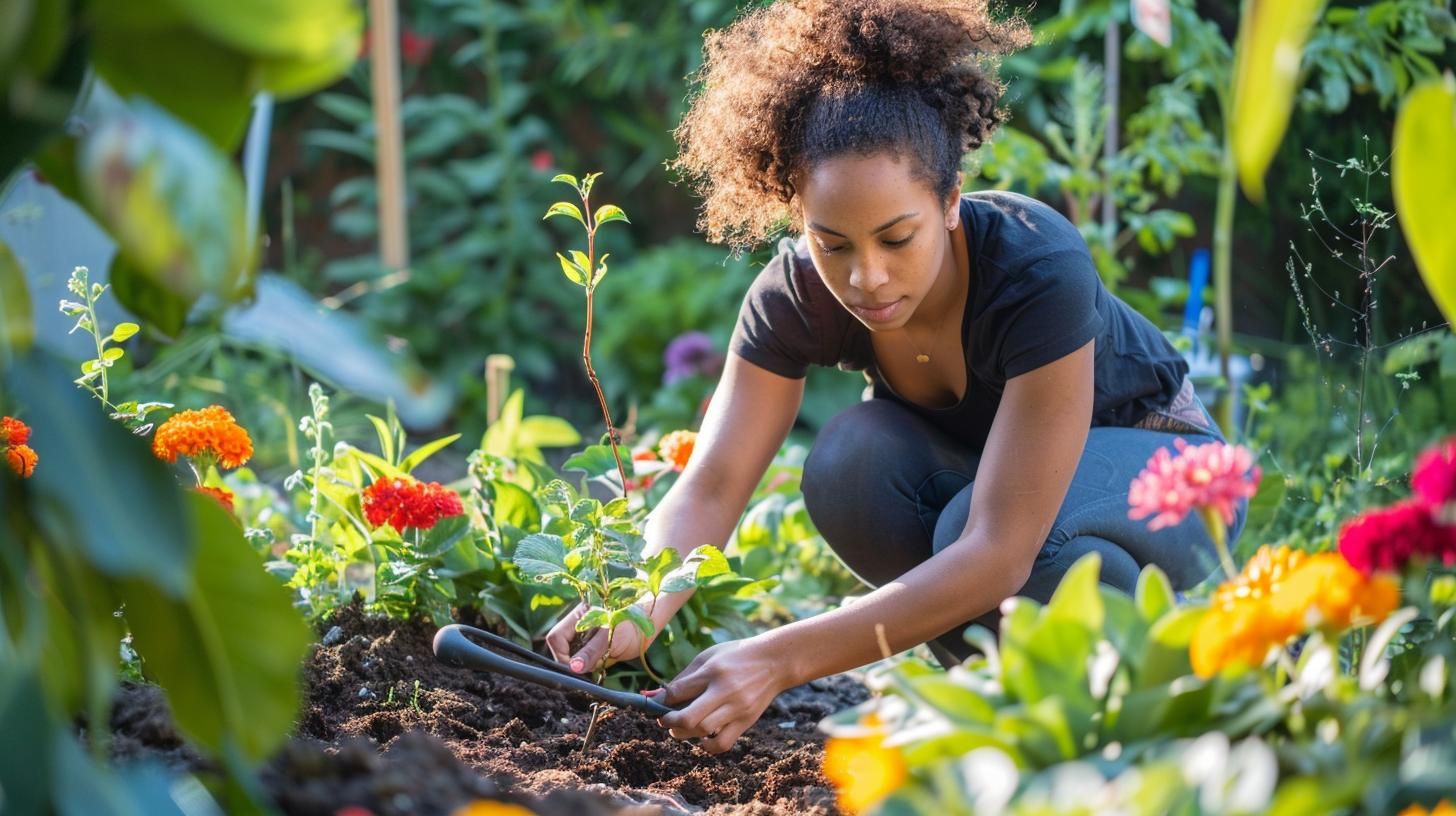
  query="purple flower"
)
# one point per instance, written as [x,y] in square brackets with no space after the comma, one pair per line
[688,354]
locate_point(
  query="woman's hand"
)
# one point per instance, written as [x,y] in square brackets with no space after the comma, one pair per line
[628,643]
[733,683]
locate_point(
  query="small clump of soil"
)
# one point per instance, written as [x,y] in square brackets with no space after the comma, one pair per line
[386,727]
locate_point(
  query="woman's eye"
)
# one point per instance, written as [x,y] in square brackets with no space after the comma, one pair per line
[901,242]
[829,250]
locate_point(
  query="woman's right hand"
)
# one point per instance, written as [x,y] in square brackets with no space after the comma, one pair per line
[628,643]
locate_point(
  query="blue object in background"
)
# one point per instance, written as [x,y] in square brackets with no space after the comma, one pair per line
[1198,268]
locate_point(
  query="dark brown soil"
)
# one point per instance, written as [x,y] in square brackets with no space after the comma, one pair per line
[369,737]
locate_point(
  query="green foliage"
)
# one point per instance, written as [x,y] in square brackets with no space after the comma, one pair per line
[1088,703]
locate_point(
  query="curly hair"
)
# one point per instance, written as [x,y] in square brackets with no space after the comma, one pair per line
[800,81]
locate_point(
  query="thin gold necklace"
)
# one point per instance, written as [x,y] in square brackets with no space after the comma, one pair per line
[920,356]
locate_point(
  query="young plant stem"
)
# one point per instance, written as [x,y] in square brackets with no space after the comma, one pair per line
[591,374]
[1219,534]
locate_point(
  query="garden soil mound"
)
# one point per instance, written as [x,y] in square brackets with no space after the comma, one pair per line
[370,737]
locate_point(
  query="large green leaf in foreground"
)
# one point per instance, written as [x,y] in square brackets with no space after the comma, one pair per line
[229,653]
[1423,179]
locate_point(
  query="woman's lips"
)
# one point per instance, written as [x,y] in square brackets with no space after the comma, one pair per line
[879,313]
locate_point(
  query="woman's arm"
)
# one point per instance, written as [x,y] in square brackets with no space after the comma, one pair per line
[749,417]
[1035,443]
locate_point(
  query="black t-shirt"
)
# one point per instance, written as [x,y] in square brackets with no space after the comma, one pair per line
[1034,297]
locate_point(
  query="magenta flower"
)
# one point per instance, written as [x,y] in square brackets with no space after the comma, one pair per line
[1213,476]
[1434,479]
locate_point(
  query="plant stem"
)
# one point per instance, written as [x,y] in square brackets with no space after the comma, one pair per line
[591,374]
[1219,535]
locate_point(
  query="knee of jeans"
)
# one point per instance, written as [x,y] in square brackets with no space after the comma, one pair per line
[854,446]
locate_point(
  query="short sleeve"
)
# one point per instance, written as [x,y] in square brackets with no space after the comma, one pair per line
[776,329]
[1052,309]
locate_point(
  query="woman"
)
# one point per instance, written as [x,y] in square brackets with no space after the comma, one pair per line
[1014,398]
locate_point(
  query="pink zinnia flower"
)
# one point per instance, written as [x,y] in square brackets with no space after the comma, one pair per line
[1211,476]
[1389,537]
[1434,479]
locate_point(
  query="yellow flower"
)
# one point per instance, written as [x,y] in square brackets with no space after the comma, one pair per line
[1325,592]
[1442,808]
[485,807]
[1239,633]
[1238,629]
[863,770]
[209,436]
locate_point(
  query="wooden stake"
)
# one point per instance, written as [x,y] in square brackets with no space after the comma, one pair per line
[389,139]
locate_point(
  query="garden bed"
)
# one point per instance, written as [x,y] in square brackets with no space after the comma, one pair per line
[366,737]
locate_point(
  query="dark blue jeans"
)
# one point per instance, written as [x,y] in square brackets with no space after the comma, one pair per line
[888,490]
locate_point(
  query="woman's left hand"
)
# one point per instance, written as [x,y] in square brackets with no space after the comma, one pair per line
[730,685]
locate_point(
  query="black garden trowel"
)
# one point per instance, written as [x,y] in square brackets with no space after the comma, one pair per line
[456,645]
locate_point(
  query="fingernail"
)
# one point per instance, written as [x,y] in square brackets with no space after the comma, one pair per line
[577,664]
[651,692]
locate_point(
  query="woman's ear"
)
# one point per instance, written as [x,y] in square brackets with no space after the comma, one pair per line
[953,204]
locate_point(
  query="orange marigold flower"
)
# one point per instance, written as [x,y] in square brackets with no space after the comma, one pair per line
[1325,592]
[222,494]
[1233,635]
[484,807]
[209,436]
[677,448]
[21,459]
[402,503]
[1239,629]
[862,769]
[13,432]
[1442,808]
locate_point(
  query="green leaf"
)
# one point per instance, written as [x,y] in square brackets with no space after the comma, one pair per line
[98,489]
[154,304]
[601,269]
[385,435]
[594,461]
[229,651]
[638,617]
[1165,657]
[955,701]
[25,753]
[1423,176]
[608,213]
[1154,594]
[565,208]
[111,355]
[541,554]
[581,261]
[514,505]
[1265,504]
[502,438]
[565,178]
[444,536]
[425,451]
[17,328]
[324,31]
[1076,598]
[573,273]
[124,332]
[1266,71]
[701,565]
[173,203]
[595,618]
[206,85]
[587,181]
[548,432]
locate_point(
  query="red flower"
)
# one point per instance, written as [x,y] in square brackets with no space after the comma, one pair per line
[677,448]
[542,159]
[645,455]
[415,49]
[1434,479]
[1387,538]
[402,503]
[13,432]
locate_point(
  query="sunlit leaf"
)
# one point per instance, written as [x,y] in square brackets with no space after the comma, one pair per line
[608,213]
[565,208]
[17,329]
[1423,176]
[565,178]
[425,451]
[1272,35]
[541,554]
[573,273]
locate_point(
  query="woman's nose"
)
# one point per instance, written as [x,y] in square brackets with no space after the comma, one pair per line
[867,276]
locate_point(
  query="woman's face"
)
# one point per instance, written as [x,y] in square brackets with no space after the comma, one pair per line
[878,237]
